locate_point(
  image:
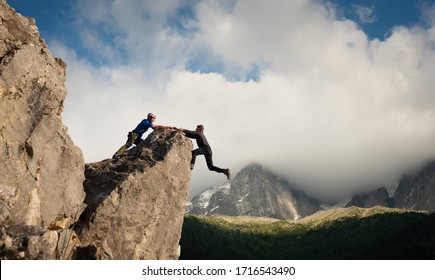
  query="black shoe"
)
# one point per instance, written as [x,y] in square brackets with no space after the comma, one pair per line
[191,166]
[228,173]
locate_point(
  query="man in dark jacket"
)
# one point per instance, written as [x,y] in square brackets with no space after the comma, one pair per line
[203,149]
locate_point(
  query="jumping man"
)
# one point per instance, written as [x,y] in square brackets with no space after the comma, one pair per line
[203,149]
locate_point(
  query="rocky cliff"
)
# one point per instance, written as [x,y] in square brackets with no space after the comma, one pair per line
[136,204]
[415,192]
[378,197]
[131,208]
[254,192]
[41,170]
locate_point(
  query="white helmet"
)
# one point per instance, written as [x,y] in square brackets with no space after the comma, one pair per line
[151,115]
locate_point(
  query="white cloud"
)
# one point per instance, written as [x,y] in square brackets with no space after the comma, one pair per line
[365,14]
[428,12]
[330,110]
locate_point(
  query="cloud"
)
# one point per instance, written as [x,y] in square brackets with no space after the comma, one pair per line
[366,15]
[428,12]
[328,108]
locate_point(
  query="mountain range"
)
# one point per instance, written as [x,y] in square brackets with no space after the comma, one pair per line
[416,192]
[255,191]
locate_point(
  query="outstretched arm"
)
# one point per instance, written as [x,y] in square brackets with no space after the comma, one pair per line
[188,133]
[154,126]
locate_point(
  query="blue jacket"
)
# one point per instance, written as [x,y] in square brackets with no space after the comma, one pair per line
[142,127]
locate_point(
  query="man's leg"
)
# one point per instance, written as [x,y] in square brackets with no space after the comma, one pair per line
[199,151]
[130,139]
[209,160]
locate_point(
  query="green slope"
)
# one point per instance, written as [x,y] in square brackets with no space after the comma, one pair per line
[342,233]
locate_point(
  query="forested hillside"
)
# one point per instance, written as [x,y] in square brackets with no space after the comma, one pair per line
[351,233]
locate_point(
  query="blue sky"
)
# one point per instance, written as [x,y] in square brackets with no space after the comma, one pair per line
[376,17]
[59,21]
[339,89]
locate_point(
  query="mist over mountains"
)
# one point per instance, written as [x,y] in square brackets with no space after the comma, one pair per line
[416,192]
[256,191]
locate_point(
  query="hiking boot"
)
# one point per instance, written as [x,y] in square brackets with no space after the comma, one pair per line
[228,173]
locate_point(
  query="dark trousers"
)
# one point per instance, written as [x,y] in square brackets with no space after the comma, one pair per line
[208,154]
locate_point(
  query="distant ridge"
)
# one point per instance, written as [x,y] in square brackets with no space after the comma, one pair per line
[254,191]
[416,192]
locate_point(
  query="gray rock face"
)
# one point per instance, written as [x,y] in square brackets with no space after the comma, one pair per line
[414,192]
[254,192]
[378,197]
[417,192]
[136,203]
[41,171]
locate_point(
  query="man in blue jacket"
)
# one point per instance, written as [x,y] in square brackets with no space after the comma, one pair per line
[203,149]
[135,136]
